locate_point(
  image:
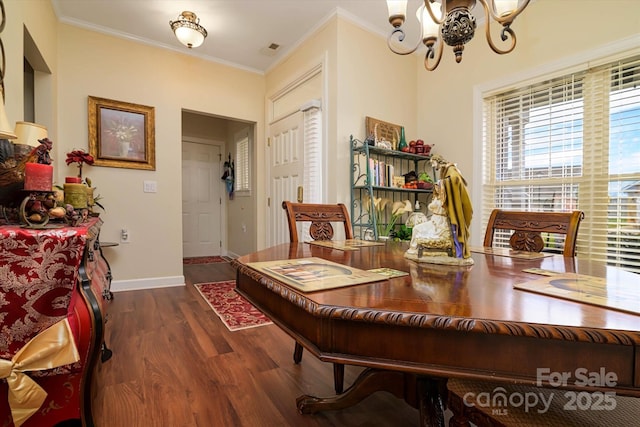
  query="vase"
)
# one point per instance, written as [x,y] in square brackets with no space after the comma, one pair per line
[403,142]
[125,146]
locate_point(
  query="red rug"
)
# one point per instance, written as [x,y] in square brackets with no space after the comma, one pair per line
[204,260]
[232,308]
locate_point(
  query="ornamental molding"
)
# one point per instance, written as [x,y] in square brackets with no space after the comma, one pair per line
[449,323]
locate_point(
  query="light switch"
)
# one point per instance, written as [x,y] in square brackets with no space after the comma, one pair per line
[150,187]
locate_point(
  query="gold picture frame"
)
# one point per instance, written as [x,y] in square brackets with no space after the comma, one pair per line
[122,134]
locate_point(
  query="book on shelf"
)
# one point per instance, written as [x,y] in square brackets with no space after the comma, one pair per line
[380,173]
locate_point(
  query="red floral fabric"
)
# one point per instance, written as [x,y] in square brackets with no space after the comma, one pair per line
[38,288]
[38,272]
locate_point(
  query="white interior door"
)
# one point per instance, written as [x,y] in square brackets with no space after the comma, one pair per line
[286,166]
[201,200]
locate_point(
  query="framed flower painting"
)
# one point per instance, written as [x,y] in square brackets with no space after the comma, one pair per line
[121,134]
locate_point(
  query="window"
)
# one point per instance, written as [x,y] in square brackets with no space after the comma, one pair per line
[571,143]
[242,165]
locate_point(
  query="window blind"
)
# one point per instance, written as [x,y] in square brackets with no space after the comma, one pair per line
[242,165]
[570,143]
[313,155]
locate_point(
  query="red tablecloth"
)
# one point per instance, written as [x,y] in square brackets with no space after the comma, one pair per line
[38,272]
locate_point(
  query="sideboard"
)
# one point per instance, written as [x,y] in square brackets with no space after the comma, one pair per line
[54,290]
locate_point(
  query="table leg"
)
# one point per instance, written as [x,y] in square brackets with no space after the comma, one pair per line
[338,377]
[420,392]
[431,401]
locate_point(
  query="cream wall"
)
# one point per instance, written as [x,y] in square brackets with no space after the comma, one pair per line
[242,211]
[318,49]
[371,81]
[208,128]
[40,21]
[109,67]
[548,31]
[362,78]
[90,63]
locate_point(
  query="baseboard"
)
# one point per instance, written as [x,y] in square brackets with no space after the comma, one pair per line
[232,255]
[150,283]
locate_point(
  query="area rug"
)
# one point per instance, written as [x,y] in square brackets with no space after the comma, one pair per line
[204,260]
[232,308]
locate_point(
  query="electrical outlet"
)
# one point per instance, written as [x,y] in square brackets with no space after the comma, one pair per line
[125,236]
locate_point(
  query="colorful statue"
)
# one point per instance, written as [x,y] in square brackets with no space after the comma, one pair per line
[444,239]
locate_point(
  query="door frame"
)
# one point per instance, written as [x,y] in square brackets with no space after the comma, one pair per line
[223,205]
[315,68]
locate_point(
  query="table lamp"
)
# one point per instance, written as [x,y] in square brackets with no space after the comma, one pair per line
[29,133]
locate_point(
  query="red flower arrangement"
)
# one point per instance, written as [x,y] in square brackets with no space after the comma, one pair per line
[80,157]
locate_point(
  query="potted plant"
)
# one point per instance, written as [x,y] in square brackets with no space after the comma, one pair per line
[398,209]
[76,192]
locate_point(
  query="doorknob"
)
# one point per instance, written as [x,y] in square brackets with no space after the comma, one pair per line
[300,194]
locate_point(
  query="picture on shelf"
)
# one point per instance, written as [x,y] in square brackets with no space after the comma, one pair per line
[383,132]
[398,181]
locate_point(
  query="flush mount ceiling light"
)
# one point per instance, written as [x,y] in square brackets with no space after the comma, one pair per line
[188,30]
[451,22]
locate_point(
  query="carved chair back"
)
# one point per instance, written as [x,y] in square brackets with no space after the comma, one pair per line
[321,217]
[528,226]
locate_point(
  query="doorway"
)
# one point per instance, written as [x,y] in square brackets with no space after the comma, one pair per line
[215,222]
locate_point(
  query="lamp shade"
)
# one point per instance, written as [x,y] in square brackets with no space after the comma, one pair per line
[505,7]
[397,7]
[397,12]
[29,133]
[188,30]
[430,28]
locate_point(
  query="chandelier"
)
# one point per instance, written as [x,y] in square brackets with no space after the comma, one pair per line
[188,30]
[454,26]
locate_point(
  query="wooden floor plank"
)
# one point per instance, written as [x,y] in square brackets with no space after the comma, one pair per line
[175,364]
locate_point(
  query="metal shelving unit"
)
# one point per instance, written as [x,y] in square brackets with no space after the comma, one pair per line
[366,184]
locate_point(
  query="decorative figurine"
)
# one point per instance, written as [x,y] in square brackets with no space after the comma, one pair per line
[444,239]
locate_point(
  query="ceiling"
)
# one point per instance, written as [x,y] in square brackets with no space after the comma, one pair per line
[239,31]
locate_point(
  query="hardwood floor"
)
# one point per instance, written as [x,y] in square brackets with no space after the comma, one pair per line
[175,364]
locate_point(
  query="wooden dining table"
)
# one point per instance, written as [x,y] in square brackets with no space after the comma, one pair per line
[413,332]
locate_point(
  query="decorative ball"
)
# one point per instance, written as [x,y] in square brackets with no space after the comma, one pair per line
[459,27]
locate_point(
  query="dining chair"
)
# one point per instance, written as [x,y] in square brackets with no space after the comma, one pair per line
[492,404]
[321,219]
[527,229]
[526,235]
